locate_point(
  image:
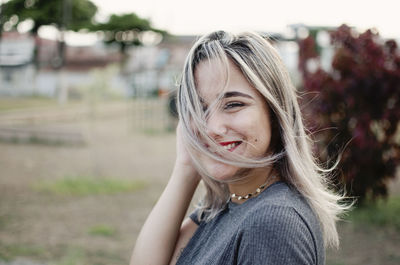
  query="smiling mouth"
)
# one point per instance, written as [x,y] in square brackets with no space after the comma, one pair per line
[230,146]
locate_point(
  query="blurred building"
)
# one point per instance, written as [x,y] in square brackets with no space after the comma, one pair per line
[20,75]
[156,69]
[152,69]
[16,70]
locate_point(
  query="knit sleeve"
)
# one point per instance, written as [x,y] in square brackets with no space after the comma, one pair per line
[194,216]
[279,237]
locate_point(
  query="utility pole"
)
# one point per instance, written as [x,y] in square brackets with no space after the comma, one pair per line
[1,19]
[63,82]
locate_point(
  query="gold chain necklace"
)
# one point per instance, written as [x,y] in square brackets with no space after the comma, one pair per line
[248,196]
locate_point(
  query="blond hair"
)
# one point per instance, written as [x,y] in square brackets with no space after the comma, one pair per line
[259,62]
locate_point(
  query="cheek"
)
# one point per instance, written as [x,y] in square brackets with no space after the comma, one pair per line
[259,132]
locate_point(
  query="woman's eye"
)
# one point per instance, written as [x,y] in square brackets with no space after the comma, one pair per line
[231,105]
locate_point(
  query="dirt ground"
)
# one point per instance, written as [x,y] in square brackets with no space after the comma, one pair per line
[115,144]
[52,227]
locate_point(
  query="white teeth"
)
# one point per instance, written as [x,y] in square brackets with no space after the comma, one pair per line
[230,146]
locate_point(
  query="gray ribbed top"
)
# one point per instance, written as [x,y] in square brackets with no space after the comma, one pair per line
[276,227]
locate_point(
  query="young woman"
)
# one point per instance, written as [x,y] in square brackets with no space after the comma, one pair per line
[241,132]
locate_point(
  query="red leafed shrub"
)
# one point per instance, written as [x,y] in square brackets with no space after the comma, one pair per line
[356,104]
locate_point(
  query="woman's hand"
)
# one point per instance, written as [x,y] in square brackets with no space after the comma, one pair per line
[183,162]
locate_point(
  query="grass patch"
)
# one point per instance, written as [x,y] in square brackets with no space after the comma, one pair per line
[394,258]
[4,221]
[104,257]
[380,213]
[85,185]
[102,230]
[73,256]
[9,252]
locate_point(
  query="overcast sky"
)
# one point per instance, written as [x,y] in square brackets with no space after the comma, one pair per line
[201,16]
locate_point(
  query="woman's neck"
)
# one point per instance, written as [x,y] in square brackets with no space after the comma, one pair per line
[255,178]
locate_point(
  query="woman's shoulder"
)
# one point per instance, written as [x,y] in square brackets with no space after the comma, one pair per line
[282,233]
[279,196]
[283,221]
[280,199]
[280,209]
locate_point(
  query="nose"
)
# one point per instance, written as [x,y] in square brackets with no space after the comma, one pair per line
[217,125]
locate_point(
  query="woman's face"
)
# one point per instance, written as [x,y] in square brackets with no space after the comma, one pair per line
[241,123]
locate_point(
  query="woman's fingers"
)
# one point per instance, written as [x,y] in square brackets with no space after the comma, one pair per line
[183,159]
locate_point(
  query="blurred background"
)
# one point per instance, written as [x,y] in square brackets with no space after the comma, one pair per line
[87,116]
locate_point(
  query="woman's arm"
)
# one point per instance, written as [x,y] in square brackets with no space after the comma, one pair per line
[185,234]
[158,238]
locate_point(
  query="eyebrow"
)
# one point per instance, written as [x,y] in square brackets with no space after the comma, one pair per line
[231,94]
[236,94]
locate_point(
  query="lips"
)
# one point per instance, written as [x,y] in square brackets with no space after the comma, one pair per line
[231,145]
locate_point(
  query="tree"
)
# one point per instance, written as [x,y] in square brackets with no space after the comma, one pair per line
[125,30]
[64,14]
[358,101]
